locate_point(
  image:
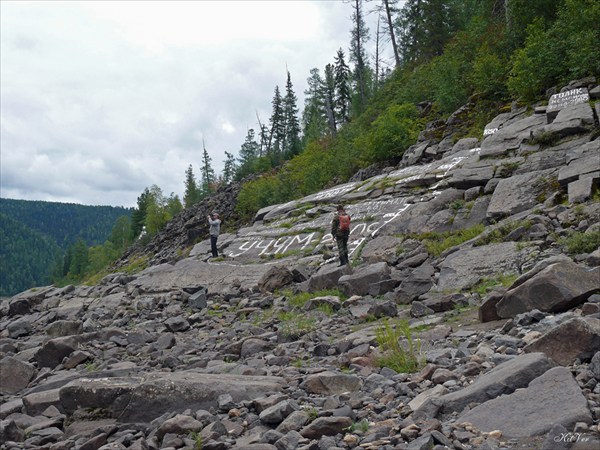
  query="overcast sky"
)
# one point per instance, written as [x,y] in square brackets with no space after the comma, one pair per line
[102,99]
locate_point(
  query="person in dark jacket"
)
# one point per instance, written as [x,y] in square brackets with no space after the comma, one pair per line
[340,230]
[215,228]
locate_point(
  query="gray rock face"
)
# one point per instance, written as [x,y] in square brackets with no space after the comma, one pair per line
[558,287]
[571,120]
[518,415]
[511,136]
[144,399]
[504,379]
[578,338]
[465,267]
[517,193]
[382,248]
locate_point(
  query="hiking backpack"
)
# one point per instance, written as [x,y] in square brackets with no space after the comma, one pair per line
[344,222]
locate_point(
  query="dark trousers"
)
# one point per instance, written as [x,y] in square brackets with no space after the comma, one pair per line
[342,244]
[213,245]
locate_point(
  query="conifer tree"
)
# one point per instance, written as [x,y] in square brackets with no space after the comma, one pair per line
[329,98]
[208,174]
[191,195]
[229,168]
[360,35]
[138,217]
[342,88]
[277,123]
[314,117]
[290,117]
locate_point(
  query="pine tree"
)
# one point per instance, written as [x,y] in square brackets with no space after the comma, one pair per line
[342,87]
[229,168]
[314,120]
[361,75]
[425,28]
[290,117]
[277,133]
[208,174]
[191,195]
[329,97]
[390,8]
[138,217]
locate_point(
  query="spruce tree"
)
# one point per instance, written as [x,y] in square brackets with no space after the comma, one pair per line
[314,120]
[277,133]
[208,174]
[329,98]
[360,35]
[191,195]
[290,117]
[342,88]
[229,168]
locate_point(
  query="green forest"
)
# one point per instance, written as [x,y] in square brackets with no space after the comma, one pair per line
[35,236]
[358,111]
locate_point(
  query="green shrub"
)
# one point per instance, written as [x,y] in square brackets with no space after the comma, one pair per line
[401,357]
[499,233]
[577,243]
[390,134]
[437,243]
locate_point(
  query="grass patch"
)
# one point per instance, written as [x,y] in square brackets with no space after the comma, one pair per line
[484,285]
[437,243]
[300,299]
[295,324]
[402,357]
[577,242]
[500,233]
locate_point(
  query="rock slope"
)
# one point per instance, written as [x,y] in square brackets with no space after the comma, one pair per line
[469,317]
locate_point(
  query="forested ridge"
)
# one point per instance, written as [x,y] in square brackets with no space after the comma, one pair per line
[34,235]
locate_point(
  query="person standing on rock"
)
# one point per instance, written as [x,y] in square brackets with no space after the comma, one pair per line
[215,228]
[340,230]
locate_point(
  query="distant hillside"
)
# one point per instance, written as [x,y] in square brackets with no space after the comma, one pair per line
[65,222]
[34,233]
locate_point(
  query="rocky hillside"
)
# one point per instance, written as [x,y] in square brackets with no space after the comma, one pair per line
[469,317]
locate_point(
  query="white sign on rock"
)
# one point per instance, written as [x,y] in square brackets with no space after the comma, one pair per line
[564,99]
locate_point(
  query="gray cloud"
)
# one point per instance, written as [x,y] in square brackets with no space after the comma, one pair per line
[102,99]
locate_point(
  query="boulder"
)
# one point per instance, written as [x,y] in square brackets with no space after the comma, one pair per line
[583,160]
[517,193]
[331,383]
[15,375]
[578,338]
[327,277]
[326,426]
[275,278]
[464,268]
[581,190]
[503,379]
[571,120]
[64,328]
[381,248]
[52,352]
[358,283]
[518,415]
[559,287]
[418,282]
[511,136]
[146,398]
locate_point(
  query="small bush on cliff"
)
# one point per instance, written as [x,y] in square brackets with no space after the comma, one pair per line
[400,351]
